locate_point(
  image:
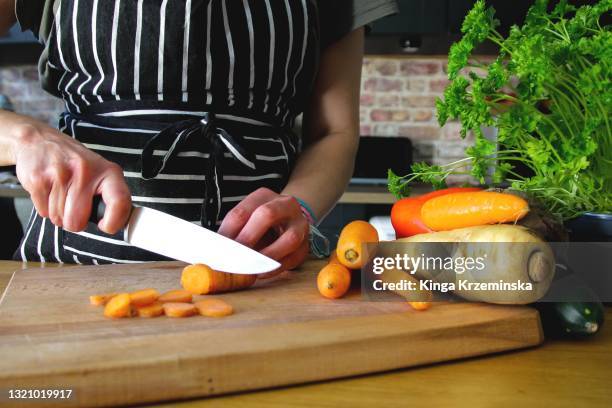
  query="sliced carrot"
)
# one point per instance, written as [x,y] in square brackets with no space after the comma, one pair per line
[176,296]
[200,279]
[144,297]
[333,281]
[118,306]
[420,305]
[460,210]
[153,310]
[172,309]
[101,300]
[214,308]
[351,243]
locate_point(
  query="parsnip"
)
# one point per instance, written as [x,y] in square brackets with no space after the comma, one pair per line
[529,260]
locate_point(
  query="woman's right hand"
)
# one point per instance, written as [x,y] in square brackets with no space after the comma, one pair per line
[62,176]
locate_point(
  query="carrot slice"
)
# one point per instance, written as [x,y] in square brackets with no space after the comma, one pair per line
[144,297]
[153,310]
[118,306]
[176,296]
[102,299]
[179,309]
[214,308]
[420,305]
[200,279]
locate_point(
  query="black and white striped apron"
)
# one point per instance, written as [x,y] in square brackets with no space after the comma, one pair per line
[194,99]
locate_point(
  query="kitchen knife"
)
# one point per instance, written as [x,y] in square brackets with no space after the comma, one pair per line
[175,238]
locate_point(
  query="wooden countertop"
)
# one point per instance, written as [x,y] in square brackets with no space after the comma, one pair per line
[560,373]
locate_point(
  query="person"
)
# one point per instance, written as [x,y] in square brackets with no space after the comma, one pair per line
[188,107]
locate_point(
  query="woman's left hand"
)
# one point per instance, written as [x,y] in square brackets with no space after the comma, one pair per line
[271,223]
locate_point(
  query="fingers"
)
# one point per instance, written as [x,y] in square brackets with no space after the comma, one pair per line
[57,200]
[116,196]
[237,218]
[289,241]
[268,216]
[290,262]
[39,193]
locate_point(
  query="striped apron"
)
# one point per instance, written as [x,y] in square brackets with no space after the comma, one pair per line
[195,100]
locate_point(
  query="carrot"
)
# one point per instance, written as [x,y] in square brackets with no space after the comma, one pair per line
[350,243]
[445,191]
[176,296]
[406,218]
[102,299]
[172,309]
[214,308]
[153,310]
[200,280]
[144,297]
[460,210]
[118,306]
[334,281]
[420,305]
[333,258]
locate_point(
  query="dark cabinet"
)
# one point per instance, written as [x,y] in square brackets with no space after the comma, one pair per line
[415,17]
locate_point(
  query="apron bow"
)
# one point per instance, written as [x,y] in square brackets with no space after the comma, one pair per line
[216,140]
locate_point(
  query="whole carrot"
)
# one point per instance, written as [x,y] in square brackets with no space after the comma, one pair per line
[351,243]
[460,210]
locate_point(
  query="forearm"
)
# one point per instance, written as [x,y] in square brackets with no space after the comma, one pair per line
[323,171]
[9,136]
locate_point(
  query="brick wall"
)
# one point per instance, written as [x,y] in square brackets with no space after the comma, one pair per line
[20,84]
[398,100]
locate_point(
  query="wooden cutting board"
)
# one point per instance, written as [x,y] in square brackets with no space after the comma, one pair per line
[283,332]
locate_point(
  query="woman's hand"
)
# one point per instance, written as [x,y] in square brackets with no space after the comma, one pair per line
[62,175]
[271,223]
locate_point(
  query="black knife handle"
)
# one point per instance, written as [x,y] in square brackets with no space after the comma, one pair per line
[97,209]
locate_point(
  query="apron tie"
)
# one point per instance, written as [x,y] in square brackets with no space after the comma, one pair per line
[212,138]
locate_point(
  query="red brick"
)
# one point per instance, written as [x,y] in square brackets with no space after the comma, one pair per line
[379,115]
[422,115]
[420,132]
[365,130]
[385,67]
[419,101]
[366,99]
[382,85]
[382,115]
[438,85]
[413,67]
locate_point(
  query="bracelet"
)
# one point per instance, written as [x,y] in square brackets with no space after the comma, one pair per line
[319,244]
[307,211]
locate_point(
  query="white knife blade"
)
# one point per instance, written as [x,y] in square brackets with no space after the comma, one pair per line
[175,238]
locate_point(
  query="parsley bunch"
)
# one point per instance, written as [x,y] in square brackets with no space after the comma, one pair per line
[549,94]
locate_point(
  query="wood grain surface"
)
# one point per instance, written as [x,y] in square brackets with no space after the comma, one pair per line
[283,333]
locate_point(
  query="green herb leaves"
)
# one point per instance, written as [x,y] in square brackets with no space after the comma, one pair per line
[548,93]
